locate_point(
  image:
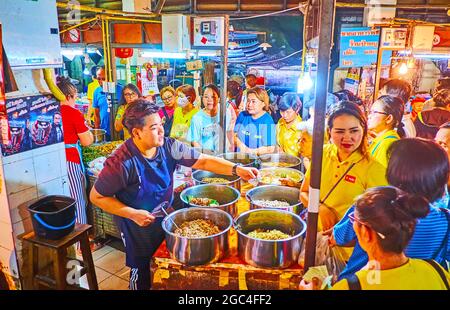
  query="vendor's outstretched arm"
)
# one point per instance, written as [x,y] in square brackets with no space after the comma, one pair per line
[225,167]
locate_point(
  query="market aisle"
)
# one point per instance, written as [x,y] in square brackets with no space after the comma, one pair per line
[112,274]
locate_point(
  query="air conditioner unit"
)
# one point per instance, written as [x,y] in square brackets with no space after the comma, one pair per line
[376,14]
[175,33]
[136,6]
[31,33]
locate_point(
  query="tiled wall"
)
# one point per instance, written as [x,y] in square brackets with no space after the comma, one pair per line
[27,176]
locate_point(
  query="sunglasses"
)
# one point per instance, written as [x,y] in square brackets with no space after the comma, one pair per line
[353,219]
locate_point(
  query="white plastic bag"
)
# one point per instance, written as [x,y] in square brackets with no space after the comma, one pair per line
[331,257]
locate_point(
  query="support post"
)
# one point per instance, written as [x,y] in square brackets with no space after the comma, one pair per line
[326,22]
[224,79]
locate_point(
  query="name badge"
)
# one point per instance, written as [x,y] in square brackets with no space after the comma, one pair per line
[350,178]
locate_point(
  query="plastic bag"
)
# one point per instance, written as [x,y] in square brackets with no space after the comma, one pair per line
[332,257]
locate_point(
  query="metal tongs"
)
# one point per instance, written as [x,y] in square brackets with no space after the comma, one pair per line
[160,211]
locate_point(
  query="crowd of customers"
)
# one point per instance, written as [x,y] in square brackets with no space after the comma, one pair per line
[385,169]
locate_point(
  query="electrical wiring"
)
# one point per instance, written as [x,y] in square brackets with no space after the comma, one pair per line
[267,14]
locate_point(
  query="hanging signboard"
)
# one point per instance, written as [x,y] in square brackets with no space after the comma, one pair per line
[34,122]
[195,65]
[208,32]
[441,37]
[394,38]
[359,48]
[423,38]
[149,81]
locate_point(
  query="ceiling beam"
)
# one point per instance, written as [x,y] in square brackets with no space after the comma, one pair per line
[159,6]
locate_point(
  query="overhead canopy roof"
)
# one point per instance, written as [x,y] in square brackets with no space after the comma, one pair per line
[249,7]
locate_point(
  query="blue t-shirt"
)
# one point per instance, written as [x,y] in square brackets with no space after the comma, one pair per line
[426,243]
[99,101]
[255,133]
[205,130]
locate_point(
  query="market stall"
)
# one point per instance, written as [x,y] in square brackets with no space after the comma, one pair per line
[239,262]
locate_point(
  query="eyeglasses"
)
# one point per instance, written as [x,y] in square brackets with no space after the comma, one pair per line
[353,219]
[167,98]
[378,112]
[129,94]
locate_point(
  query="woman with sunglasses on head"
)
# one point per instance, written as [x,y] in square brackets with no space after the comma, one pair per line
[385,220]
[184,112]
[169,97]
[255,131]
[347,168]
[418,167]
[385,125]
[129,94]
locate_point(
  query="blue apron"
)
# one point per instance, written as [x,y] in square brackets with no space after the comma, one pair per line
[155,185]
[77,146]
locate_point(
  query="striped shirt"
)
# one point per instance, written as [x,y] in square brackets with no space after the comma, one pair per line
[426,242]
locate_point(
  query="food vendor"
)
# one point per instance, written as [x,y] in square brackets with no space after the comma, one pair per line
[347,168]
[138,176]
[76,134]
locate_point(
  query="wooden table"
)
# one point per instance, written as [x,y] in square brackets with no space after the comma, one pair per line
[231,273]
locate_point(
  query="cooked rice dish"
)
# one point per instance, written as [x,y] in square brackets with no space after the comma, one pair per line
[266,234]
[203,202]
[215,180]
[276,164]
[197,229]
[271,203]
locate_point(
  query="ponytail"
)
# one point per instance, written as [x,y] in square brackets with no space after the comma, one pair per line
[392,213]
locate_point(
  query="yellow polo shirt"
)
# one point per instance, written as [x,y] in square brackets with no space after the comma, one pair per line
[119,116]
[90,95]
[288,139]
[380,145]
[366,173]
[416,274]
[181,123]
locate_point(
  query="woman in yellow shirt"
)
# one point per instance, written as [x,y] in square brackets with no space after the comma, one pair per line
[129,94]
[288,136]
[384,222]
[385,124]
[346,163]
[184,112]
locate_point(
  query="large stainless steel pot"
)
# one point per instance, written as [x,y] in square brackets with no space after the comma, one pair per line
[246,160]
[197,251]
[269,253]
[269,176]
[280,160]
[99,135]
[227,196]
[233,181]
[275,192]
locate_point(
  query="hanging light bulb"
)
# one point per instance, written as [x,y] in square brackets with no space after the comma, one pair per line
[86,71]
[265,46]
[232,45]
[304,83]
[403,69]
